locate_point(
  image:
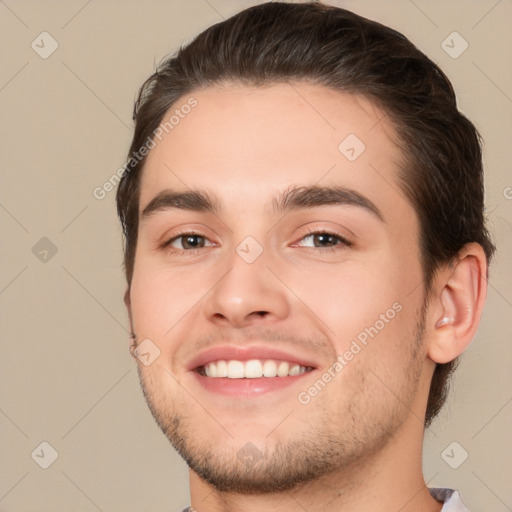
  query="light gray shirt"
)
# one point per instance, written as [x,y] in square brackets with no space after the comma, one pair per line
[451,499]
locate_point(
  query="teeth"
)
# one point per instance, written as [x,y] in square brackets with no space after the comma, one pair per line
[269,369]
[222,369]
[235,369]
[294,370]
[282,369]
[253,369]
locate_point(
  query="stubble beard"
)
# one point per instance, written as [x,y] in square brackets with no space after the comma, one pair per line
[328,444]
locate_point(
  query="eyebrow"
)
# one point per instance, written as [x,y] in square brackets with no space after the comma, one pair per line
[293,198]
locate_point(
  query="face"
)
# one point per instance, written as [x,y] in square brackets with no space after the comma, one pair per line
[284,303]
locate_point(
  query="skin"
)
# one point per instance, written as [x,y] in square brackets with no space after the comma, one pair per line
[357,444]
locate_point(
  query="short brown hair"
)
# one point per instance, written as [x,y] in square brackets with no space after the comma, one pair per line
[278,42]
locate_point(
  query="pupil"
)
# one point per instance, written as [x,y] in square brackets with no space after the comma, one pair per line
[190,238]
[322,237]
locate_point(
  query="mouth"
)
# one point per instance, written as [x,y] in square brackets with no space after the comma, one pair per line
[249,371]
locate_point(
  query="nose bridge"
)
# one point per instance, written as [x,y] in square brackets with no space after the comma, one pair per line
[248,290]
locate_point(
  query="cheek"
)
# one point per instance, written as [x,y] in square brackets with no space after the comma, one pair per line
[351,295]
[363,300]
[166,300]
[158,301]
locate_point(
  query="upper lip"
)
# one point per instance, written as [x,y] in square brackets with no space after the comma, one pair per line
[245,353]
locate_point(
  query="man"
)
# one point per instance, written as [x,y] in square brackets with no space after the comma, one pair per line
[306,258]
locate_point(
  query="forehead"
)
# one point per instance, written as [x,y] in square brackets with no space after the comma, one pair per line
[247,142]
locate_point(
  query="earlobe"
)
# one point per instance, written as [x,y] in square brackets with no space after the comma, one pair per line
[460,301]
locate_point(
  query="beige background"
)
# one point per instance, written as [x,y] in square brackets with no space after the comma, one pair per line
[66,375]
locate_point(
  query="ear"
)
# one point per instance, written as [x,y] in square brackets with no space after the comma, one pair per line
[457,303]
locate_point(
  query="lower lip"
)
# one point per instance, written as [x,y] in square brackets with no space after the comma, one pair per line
[247,387]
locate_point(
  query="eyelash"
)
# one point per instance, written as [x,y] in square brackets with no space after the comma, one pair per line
[343,242]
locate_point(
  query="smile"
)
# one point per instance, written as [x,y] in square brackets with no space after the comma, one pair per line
[252,369]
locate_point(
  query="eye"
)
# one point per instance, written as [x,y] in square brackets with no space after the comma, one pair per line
[326,240]
[188,242]
[320,239]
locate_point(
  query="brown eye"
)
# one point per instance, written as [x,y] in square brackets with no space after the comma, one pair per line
[187,242]
[190,241]
[325,240]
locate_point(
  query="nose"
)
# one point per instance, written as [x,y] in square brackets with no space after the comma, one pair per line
[249,293]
